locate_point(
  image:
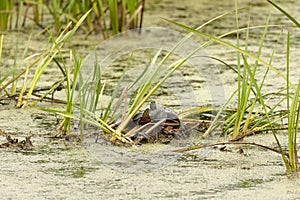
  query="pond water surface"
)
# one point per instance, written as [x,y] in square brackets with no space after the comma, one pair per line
[59,169]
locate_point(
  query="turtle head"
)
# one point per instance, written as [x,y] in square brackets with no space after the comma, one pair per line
[152,105]
[145,117]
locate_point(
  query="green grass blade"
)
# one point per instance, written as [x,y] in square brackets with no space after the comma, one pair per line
[114,17]
[285,13]
[293,116]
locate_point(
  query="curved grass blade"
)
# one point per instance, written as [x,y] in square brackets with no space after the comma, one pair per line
[285,13]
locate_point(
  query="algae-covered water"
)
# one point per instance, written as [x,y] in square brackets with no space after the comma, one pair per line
[60,169]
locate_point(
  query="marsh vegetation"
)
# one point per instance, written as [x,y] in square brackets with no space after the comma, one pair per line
[121,114]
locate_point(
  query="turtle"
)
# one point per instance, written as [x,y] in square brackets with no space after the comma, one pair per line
[164,121]
[154,114]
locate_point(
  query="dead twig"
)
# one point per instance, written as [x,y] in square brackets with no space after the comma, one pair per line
[230,142]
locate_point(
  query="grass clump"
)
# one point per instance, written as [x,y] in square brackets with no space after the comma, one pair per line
[106,16]
[253,114]
[38,66]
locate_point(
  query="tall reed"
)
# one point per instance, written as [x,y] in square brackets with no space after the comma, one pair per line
[43,62]
[107,16]
[6,12]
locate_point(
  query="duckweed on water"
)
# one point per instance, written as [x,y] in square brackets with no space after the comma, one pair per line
[72,171]
[221,175]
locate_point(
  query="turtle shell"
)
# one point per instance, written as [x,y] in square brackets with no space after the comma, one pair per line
[140,118]
[158,113]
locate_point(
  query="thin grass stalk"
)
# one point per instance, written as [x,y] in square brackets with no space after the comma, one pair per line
[102,18]
[132,7]
[122,14]
[82,105]
[86,5]
[201,110]
[245,88]
[123,97]
[239,90]
[21,14]
[13,85]
[289,166]
[88,93]
[150,79]
[296,158]
[91,91]
[132,21]
[292,130]
[293,116]
[23,11]
[65,124]
[142,13]
[114,17]
[2,77]
[262,126]
[16,66]
[94,88]
[287,77]
[71,90]
[225,143]
[1,45]
[97,83]
[55,9]
[38,11]
[250,117]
